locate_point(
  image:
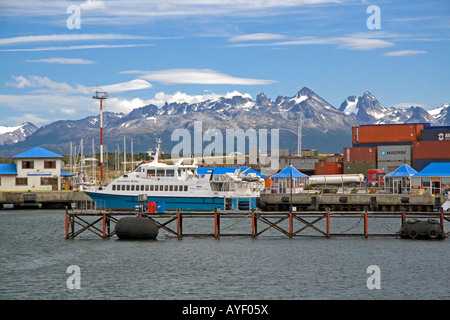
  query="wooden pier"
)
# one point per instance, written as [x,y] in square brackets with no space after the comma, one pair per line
[253,223]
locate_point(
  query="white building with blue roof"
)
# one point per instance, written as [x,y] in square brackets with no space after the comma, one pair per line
[36,169]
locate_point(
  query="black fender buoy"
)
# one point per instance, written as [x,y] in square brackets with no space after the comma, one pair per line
[136,228]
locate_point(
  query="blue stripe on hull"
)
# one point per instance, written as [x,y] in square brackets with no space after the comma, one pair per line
[170,203]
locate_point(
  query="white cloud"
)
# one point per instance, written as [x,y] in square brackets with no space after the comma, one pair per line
[93,5]
[351,43]
[63,61]
[68,37]
[179,97]
[82,47]
[196,76]
[48,85]
[137,84]
[257,37]
[68,111]
[404,53]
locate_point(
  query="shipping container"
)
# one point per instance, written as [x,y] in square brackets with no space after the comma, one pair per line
[360,154]
[327,168]
[394,153]
[431,150]
[359,167]
[419,164]
[435,134]
[391,166]
[375,145]
[386,133]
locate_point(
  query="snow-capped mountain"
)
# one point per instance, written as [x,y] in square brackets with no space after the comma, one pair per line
[11,135]
[324,127]
[368,110]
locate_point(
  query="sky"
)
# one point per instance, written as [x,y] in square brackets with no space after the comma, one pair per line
[54,55]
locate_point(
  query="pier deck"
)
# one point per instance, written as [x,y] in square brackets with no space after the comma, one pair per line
[257,223]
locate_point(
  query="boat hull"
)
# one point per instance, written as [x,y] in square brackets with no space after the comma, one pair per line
[129,202]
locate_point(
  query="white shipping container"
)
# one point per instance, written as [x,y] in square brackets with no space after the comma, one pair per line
[395,153]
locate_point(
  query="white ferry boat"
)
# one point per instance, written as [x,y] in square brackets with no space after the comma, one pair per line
[178,186]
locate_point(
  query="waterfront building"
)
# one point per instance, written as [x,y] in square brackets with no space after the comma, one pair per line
[36,169]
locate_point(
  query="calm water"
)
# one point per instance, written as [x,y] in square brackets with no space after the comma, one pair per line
[34,257]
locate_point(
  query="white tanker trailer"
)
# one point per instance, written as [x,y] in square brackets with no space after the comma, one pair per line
[336,179]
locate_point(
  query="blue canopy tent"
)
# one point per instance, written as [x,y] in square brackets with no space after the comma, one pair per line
[399,181]
[434,178]
[281,182]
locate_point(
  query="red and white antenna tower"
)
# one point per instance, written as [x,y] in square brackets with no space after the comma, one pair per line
[101,96]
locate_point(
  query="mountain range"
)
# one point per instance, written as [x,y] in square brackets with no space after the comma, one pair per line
[324,127]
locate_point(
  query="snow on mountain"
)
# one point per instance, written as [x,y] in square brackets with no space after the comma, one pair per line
[14,134]
[324,127]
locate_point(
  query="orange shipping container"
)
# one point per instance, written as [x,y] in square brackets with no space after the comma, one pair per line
[431,150]
[360,154]
[387,133]
[325,168]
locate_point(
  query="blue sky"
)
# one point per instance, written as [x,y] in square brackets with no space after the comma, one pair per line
[52,59]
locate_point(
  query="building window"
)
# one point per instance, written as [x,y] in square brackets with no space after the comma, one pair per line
[49,164]
[21,181]
[49,181]
[114,187]
[28,164]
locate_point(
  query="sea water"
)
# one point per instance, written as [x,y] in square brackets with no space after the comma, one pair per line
[36,262]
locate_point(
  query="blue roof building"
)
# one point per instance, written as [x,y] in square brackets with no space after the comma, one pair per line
[399,181]
[34,169]
[37,152]
[433,179]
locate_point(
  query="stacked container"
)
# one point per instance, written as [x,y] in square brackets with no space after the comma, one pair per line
[326,168]
[360,160]
[372,135]
[434,146]
[393,156]
[426,152]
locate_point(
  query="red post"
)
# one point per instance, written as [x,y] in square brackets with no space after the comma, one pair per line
[104,226]
[179,225]
[442,225]
[328,225]
[67,226]
[403,218]
[216,225]
[365,225]
[253,225]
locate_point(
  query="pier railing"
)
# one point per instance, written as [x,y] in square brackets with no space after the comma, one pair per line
[254,223]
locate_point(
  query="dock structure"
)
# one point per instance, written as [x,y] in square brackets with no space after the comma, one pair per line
[253,223]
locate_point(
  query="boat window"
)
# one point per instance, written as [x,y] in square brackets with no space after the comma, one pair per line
[114,187]
[151,188]
[171,188]
[123,187]
[175,188]
[142,187]
[128,187]
[139,169]
[179,172]
[146,187]
[185,188]
[170,173]
[166,188]
[132,187]
[137,187]
[160,172]
[150,172]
